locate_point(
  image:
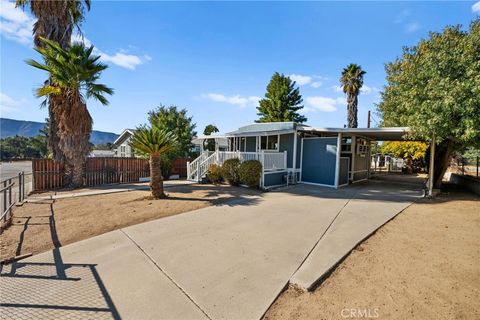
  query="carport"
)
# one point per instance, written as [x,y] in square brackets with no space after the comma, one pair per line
[335,157]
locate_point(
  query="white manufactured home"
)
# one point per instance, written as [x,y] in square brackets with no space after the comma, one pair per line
[297,153]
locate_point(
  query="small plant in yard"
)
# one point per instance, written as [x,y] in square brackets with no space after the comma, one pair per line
[214,174]
[250,172]
[155,142]
[230,171]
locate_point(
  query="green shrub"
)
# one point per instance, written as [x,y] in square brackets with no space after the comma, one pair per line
[230,171]
[250,172]
[214,174]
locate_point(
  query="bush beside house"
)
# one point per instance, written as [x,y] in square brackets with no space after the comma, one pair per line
[235,172]
[230,171]
[214,174]
[250,172]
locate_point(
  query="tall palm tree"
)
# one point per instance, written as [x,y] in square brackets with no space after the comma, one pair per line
[352,81]
[73,75]
[56,20]
[155,142]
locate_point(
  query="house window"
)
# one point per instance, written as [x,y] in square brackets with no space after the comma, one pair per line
[269,142]
[122,151]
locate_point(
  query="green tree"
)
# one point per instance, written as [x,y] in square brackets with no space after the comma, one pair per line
[434,89]
[56,21]
[154,141]
[209,144]
[173,119]
[282,101]
[19,147]
[351,82]
[405,149]
[73,78]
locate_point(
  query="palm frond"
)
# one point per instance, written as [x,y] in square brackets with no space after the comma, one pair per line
[47,90]
[74,68]
[153,140]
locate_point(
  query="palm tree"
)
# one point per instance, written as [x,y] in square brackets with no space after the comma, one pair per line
[352,81]
[56,20]
[155,142]
[73,75]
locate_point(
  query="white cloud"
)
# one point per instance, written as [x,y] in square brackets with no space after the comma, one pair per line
[412,27]
[15,24]
[128,61]
[325,104]
[476,7]
[301,80]
[315,81]
[120,58]
[9,104]
[337,88]
[235,99]
[368,90]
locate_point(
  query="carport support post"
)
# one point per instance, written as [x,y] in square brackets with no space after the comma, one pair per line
[337,165]
[431,166]
[353,149]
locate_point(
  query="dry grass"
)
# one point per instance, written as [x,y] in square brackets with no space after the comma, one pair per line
[424,264]
[38,227]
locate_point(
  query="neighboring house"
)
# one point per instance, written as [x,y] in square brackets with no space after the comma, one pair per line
[121,146]
[291,152]
[102,153]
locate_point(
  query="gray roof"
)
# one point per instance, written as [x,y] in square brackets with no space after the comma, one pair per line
[380,134]
[265,127]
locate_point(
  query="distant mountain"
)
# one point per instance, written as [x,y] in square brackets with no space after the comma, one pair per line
[11,127]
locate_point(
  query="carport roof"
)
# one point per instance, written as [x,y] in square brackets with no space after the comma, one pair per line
[380,134]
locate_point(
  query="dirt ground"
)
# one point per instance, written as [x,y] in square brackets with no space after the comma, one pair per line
[424,264]
[38,227]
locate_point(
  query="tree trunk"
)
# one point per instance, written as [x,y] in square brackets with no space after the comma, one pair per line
[74,129]
[53,138]
[156,181]
[443,154]
[54,23]
[352,107]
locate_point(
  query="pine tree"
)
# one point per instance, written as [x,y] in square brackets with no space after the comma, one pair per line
[282,101]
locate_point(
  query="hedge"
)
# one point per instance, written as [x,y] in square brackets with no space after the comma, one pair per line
[250,173]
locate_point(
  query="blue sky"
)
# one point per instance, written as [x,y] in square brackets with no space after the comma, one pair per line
[216,58]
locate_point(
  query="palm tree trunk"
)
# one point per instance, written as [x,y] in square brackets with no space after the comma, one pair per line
[156,181]
[53,23]
[53,138]
[352,102]
[74,128]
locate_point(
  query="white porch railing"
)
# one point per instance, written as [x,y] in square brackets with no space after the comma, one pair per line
[274,161]
[271,161]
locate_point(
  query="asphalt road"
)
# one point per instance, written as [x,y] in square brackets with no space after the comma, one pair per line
[11,169]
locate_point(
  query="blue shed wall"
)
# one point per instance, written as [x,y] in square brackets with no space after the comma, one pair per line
[319,160]
[286,144]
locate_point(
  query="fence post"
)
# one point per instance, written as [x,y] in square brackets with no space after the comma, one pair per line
[19,187]
[10,199]
[4,198]
[285,159]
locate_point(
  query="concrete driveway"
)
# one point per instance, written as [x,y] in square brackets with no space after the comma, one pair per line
[223,262]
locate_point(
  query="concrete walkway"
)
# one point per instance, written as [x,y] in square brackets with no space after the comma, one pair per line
[223,262]
[104,189]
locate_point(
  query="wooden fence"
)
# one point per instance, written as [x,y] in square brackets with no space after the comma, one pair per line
[179,166]
[48,175]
